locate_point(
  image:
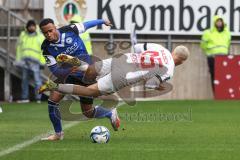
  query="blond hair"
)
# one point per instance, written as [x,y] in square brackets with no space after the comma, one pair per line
[182,52]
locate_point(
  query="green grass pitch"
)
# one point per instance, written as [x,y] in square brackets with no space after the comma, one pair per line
[151,130]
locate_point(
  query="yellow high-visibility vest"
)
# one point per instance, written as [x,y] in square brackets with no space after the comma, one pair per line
[215,42]
[29,46]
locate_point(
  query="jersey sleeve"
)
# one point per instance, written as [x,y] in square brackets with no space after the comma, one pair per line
[56,70]
[82,27]
[78,27]
[44,48]
[93,23]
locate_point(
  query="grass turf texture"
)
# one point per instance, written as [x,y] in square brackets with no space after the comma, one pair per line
[150,130]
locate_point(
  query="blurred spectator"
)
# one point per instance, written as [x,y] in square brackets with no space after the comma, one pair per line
[215,41]
[29,57]
[84,36]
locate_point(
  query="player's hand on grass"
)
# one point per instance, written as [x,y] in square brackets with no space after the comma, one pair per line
[107,23]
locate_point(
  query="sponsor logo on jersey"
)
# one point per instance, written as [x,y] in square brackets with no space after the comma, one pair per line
[69,40]
[72,49]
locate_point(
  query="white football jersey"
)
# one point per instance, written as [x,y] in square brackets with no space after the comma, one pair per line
[150,55]
[151,60]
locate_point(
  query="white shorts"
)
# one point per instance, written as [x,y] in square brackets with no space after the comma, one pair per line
[103,67]
[105,85]
[111,83]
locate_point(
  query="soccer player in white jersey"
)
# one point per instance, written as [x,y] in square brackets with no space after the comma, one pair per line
[150,60]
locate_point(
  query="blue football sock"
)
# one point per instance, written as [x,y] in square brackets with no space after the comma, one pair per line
[101,112]
[55,116]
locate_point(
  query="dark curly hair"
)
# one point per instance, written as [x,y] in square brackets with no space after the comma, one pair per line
[45,21]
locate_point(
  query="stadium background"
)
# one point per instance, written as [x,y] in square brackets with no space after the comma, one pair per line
[190,81]
[189,127]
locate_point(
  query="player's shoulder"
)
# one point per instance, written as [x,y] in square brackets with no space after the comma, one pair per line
[45,44]
[44,47]
[69,28]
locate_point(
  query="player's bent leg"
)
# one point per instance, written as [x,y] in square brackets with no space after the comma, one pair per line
[90,91]
[74,61]
[87,110]
[48,86]
[99,112]
[93,112]
[64,58]
[91,73]
[86,106]
[99,68]
[55,116]
[115,120]
[111,114]
[69,89]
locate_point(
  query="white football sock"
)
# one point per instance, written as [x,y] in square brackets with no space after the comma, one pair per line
[65,88]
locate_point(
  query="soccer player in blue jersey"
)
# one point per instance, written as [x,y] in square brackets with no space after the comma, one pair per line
[66,40]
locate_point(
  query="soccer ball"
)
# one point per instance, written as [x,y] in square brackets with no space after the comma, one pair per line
[100,134]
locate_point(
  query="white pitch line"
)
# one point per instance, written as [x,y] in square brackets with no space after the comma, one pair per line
[24,144]
[31,141]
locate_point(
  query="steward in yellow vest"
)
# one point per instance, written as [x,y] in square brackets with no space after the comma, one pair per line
[29,57]
[215,41]
[29,46]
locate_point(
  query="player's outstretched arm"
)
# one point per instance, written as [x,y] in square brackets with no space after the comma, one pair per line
[90,91]
[93,23]
[82,27]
